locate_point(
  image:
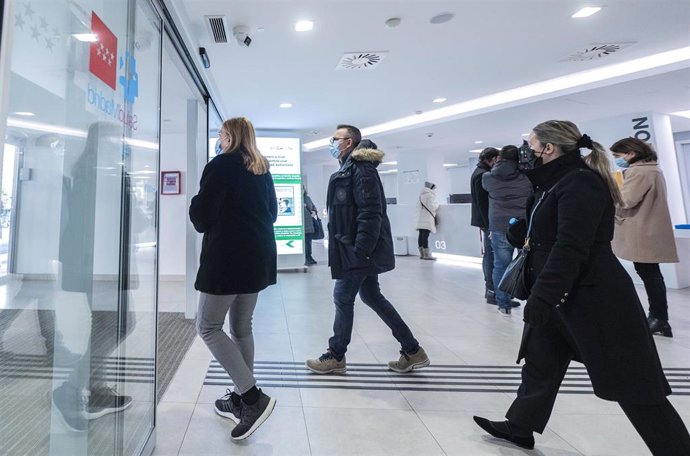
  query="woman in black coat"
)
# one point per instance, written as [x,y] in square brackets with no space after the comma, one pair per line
[235,209]
[582,302]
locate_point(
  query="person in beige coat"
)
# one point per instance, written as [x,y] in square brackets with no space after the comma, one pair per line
[427,206]
[644,233]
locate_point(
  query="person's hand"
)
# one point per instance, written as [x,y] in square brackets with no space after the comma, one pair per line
[536,313]
[517,232]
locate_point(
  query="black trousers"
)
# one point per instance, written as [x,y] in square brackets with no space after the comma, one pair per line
[307,245]
[548,353]
[423,238]
[655,287]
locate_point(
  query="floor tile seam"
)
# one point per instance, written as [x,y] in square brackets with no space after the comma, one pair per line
[424,424]
[566,441]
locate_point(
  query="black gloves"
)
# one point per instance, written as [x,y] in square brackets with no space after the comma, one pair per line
[536,313]
[516,233]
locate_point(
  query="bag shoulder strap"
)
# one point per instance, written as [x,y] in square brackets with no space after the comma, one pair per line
[536,206]
[427,209]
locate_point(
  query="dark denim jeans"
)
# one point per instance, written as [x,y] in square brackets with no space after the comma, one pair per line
[503,255]
[344,294]
[488,261]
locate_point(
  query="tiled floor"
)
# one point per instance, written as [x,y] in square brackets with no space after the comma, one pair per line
[443,305]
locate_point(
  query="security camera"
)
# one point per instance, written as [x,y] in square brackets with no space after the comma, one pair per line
[241,34]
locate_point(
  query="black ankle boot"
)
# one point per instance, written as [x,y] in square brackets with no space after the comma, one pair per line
[662,327]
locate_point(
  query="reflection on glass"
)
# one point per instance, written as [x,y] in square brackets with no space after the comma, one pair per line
[78,205]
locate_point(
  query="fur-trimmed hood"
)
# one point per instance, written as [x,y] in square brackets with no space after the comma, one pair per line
[371,155]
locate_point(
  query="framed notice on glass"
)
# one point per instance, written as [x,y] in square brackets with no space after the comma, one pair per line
[171,183]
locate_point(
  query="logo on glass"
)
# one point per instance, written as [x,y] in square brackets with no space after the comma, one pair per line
[103,52]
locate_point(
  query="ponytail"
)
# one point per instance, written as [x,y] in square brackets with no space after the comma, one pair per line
[599,162]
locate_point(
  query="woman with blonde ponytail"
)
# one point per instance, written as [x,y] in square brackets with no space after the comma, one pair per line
[582,302]
[235,210]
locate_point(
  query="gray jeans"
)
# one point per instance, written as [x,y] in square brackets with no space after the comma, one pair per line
[234,353]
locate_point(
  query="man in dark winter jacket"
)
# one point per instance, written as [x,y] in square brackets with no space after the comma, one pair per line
[508,191]
[480,217]
[360,247]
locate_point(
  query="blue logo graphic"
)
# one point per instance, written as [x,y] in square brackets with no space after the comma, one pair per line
[130,80]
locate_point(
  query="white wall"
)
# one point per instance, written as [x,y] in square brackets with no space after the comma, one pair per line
[173,208]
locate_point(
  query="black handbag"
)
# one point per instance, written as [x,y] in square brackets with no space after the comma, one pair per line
[318,229]
[514,281]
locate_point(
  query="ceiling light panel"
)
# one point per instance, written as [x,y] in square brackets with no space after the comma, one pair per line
[586,11]
[439,100]
[304,26]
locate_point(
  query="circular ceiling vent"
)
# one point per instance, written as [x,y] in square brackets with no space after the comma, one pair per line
[596,52]
[441,18]
[360,60]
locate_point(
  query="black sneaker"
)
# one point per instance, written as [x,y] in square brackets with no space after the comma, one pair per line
[229,406]
[71,404]
[105,400]
[252,416]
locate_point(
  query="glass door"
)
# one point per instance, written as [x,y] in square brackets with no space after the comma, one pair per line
[80,85]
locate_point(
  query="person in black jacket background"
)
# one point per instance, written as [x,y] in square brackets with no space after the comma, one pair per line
[360,247]
[235,209]
[583,304]
[480,217]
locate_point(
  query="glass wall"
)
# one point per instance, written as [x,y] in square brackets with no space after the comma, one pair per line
[80,83]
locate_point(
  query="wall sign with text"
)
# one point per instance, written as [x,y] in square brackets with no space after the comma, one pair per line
[171,182]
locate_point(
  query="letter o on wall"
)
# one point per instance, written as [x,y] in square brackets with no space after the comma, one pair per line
[642,135]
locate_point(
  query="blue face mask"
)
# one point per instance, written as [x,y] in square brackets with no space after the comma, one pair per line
[621,163]
[333,149]
[219,148]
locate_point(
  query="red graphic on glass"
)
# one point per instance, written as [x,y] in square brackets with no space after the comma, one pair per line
[103,57]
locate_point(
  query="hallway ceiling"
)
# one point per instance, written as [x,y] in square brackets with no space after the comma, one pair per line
[489,46]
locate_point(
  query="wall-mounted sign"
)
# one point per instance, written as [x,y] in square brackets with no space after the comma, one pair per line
[284,156]
[171,182]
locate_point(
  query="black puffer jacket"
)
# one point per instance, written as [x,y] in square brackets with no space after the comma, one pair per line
[359,232]
[235,209]
[508,191]
[480,197]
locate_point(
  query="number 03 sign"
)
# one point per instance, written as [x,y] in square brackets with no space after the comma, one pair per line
[171,182]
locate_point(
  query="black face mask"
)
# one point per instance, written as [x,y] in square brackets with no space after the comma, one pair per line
[529,158]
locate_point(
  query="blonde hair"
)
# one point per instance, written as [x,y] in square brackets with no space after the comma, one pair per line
[566,137]
[243,140]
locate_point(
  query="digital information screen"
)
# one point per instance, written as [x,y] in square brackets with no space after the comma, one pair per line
[284,156]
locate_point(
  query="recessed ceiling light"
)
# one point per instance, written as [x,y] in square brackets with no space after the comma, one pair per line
[551,87]
[24,113]
[525,134]
[390,163]
[450,165]
[587,11]
[476,151]
[86,37]
[389,171]
[479,142]
[439,100]
[286,105]
[393,22]
[441,18]
[304,26]
[685,114]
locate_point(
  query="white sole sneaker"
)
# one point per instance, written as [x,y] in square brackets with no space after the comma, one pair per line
[228,415]
[335,370]
[411,368]
[264,416]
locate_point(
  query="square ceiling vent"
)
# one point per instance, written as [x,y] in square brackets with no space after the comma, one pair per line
[597,51]
[361,60]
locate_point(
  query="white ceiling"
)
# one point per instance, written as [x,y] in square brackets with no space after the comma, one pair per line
[490,46]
